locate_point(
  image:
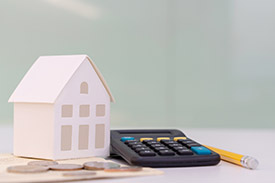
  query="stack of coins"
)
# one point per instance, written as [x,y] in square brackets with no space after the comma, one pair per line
[71,169]
[43,166]
[32,167]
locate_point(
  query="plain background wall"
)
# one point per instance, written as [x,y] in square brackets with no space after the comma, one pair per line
[169,63]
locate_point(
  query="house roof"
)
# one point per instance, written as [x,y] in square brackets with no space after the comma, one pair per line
[48,76]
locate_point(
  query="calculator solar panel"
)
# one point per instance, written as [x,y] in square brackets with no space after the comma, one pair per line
[160,148]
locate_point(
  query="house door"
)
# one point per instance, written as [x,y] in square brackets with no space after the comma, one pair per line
[99,135]
[83,137]
[66,137]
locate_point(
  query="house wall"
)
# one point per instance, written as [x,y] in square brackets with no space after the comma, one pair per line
[71,97]
[33,130]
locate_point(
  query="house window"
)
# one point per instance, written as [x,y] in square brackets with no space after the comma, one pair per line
[83,137]
[84,88]
[84,110]
[66,138]
[100,110]
[67,111]
[99,135]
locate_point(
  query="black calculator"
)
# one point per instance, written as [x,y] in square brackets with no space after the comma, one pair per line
[160,148]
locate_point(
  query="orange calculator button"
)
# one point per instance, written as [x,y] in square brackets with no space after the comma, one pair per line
[145,138]
[177,138]
[163,138]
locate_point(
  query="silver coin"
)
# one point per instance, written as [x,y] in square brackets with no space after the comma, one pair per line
[94,165]
[79,173]
[66,167]
[27,169]
[42,163]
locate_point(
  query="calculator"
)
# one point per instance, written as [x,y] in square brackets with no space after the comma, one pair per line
[160,148]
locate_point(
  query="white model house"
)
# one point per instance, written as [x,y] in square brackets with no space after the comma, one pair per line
[62,110]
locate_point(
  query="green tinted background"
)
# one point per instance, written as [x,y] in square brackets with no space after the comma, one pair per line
[199,63]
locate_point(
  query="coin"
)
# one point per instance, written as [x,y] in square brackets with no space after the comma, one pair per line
[42,163]
[27,169]
[124,169]
[94,165]
[66,167]
[79,173]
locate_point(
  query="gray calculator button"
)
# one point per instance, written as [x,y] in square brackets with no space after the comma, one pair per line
[184,152]
[142,149]
[138,146]
[166,153]
[147,153]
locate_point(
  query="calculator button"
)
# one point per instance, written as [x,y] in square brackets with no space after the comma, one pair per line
[147,153]
[168,142]
[179,148]
[142,149]
[200,150]
[184,152]
[192,145]
[134,143]
[142,139]
[157,145]
[137,146]
[148,141]
[185,141]
[160,148]
[151,143]
[128,141]
[166,153]
[175,145]
[123,139]
[178,138]
[162,138]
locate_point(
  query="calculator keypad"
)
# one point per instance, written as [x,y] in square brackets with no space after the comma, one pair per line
[164,146]
[160,148]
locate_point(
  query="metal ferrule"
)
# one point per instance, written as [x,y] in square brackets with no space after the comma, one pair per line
[249,162]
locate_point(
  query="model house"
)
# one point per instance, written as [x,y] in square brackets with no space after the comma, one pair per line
[62,110]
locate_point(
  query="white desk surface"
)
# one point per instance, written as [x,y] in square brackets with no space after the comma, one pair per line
[259,143]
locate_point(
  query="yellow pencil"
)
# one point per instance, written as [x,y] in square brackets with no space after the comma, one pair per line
[242,160]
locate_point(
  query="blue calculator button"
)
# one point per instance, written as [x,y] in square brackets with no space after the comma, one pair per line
[200,150]
[123,139]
